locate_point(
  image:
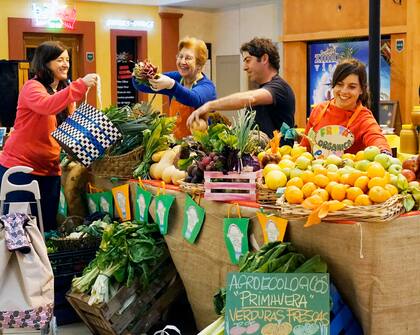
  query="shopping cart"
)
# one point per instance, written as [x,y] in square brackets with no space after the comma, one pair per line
[23,207]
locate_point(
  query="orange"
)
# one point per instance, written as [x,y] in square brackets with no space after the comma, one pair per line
[348,202]
[391,189]
[362,183]
[333,176]
[322,193]
[377,181]
[293,195]
[308,188]
[321,180]
[353,192]
[307,176]
[362,200]
[375,170]
[345,178]
[338,192]
[330,185]
[295,181]
[378,194]
[354,175]
[319,169]
[360,155]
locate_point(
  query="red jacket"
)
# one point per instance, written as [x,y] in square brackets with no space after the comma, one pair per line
[30,143]
[365,129]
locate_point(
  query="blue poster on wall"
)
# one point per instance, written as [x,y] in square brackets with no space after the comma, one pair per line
[323,58]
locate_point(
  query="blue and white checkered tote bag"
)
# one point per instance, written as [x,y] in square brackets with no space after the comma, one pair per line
[87,133]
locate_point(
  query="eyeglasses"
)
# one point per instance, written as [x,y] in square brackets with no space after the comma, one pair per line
[187,58]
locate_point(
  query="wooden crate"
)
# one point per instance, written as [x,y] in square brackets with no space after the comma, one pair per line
[232,186]
[130,311]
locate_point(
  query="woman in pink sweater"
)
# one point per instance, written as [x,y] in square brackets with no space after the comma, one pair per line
[43,103]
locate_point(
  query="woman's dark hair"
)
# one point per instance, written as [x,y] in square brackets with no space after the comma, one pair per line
[257,47]
[353,66]
[45,53]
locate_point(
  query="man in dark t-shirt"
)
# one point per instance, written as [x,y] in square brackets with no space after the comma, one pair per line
[274,100]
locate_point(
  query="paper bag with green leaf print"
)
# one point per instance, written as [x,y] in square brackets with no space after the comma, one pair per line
[143,198]
[235,231]
[163,204]
[193,219]
[106,203]
[92,202]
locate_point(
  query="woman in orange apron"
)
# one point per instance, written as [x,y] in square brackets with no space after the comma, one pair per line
[344,124]
[188,88]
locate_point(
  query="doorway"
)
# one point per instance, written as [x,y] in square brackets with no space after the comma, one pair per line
[72,42]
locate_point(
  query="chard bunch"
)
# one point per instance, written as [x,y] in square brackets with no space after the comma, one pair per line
[144,71]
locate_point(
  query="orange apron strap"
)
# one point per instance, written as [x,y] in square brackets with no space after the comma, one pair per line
[182,112]
[355,115]
[318,120]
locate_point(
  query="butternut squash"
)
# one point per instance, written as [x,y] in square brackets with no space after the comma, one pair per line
[166,160]
[167,174]
[157,156]
[178,176]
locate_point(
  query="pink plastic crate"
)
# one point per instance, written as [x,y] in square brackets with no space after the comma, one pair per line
[232,186]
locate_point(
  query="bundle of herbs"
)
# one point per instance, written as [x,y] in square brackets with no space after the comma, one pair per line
[128,252]
[156,138]
[131,122]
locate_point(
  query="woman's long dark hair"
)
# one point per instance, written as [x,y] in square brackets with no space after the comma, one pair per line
[45,53]
[353,66]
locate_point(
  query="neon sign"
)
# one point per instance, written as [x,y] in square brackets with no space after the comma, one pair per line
[134,24]
[53,15]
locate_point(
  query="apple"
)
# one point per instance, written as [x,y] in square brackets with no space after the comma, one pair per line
[332,168]
[285,149]
[384,160]
[362,165]
[348,162]
[308,155]
[371,152]
[393,179]
[409,174]
[318,162]
[333,159]
[295,172]
[395,161]
[411,164]
[286,163]
[395,169]
[286,171]
[414,184]
[302,162]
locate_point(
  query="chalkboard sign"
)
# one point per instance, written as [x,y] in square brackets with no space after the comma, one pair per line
[277,304]
[126,54]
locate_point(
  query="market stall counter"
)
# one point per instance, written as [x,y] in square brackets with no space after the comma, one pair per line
[375,266]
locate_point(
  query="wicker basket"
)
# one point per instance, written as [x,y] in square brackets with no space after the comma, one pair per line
[265,196]
[121,166]
[191,188]
[386,211]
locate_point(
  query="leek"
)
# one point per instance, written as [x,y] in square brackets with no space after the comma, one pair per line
[215,328]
